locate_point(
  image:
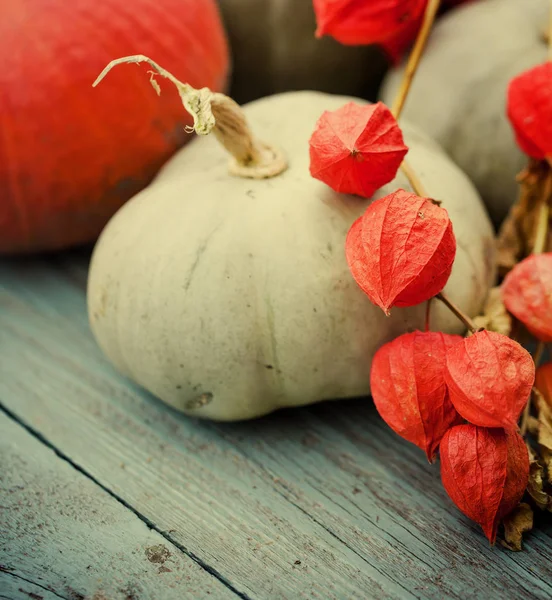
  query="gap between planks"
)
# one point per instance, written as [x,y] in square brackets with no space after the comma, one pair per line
[207,568]
[5,574]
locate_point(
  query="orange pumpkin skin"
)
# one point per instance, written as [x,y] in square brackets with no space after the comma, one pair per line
[70,154]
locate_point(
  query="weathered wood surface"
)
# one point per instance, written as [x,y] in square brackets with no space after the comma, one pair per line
[14,588]
[323,502]
[65,537]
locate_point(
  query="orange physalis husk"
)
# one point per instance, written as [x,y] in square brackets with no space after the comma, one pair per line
[358,22]
[485,473]
[407,382]
[527,294]
[489,377]
[543,382]
[530,110]
[395,46]
[357,148]
[401,250]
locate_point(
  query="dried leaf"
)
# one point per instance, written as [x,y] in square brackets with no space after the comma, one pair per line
[536,484]
[527,294]
[543,382]
[544,438]
[510,244]
[358,22]
[401,250]
[408,387]
[532,425]
[517,233]
[495,317]
[545,421]
[518,522]
[489,377]
[546,457]
[485,472]
[356,149]
[530,110]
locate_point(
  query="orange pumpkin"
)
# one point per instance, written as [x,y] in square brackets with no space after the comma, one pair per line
[71,155]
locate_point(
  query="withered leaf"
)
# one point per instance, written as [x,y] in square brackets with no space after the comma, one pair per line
[518,522]
[495,317]
[546,456]
[509,244]
[517,234]
[545,421]
[544,437]
[535,487]
[533,425]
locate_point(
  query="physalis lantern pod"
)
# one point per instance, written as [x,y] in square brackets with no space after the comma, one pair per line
[357,148]
[357,22]
[489,377]
[543,382]
[401,250]
[485,473]
[396,45]
[530,110]
[407,382]
[527,294]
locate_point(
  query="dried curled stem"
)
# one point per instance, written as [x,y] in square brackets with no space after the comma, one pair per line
[219,114]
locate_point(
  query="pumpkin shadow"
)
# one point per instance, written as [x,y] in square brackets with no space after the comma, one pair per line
[77,253]
[294,419]
[29,268]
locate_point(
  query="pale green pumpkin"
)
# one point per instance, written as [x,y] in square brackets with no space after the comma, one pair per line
[459,93]
[229,297]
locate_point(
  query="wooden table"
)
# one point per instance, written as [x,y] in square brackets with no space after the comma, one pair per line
[108,494]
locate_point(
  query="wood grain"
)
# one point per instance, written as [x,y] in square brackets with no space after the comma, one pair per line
[65,537]
[324,502]
[16,588]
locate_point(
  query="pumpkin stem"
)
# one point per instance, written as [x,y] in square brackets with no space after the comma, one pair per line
[217,113]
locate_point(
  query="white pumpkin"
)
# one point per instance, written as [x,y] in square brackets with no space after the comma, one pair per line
[459,92]
[274,50]
[230,297]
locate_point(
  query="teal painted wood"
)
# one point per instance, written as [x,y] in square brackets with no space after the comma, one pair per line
[323,502]
[65,537]
[15,588]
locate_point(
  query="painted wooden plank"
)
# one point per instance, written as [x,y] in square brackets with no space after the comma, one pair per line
[195,487]
[15,588]
[65,537]
[329,486]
